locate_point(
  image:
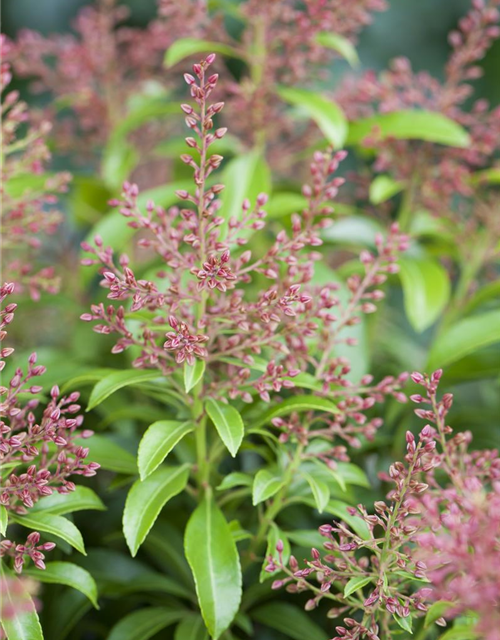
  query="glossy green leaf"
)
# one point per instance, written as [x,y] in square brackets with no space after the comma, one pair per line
[487,176]
[404,623]
[109,455]
[68,574]
[235,479]
[410,125]
[340,44]
[228,423]
[60,504]
[4,519]
[118,380]
[289,620]
[339,509]
[193,374]
[296,403]
[325,113]
[465,337]
[283,204]
[22,184]
[213,558]
[461,632]
[145,623]
[55,525]
[426,289]
[265,485]
[383,188]
[147,498]
[158,441]
[320,491]
[24,623]
[437,610]
[489,292]
[186,47]
[245,176]
[191,628]
[356,583]
[119,159]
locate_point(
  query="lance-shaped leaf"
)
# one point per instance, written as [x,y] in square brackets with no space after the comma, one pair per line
[356,583]
[265,485]
[69,574]
[410,125]
[55,525]
[191,628]
[109,455]
[213,557]
[383,188]
[185,47]
[23,624]
[147,498]
[340,44]
[193,373]
[59,504]
[296,403]
[228,423]
[4,519]
[325,113]
[320,491]
[145,623]
[426,289]
[464,337]
[158,441]
[118,380]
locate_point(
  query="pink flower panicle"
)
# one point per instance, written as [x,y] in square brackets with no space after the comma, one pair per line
[200,305]
[443,529]
[29,195]
[37,456]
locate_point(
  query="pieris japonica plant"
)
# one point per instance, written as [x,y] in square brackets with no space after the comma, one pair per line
[245,345]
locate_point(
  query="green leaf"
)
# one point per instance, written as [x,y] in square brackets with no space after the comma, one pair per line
[119,160]
[289,620]
[145,623]
[339,44]
[115,381]
[4,520]
[245,176]
[273,536]
[320,491]
[339,509]
[186,47]
[265,485]
[283,204]
[235,479]
[426,289]
[437,610]
[465,337]
[404,623]
[147,498]
[193,374]
[296,403]
[60,504]
[228,423]
[356,583]
[383,188]
[55,525]
[191,628]
[325,113]
[158,441]
[460,632]
[69,574]
[487,176]
[23,624]
[487,293]
[109,455]
[410,125]
[213,558]
[19,185]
